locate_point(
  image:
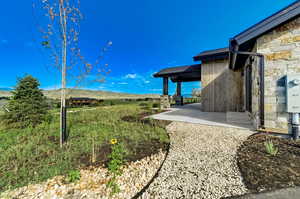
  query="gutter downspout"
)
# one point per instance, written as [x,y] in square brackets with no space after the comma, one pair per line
[261,79]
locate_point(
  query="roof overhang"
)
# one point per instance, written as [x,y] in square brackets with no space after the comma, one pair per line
[245,41]
[181,73]
[212,55]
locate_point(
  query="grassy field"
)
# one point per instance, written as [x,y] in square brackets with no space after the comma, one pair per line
[55,94]
[33,155]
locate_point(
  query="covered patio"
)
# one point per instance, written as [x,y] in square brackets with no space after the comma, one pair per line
[192,113]
[177,75]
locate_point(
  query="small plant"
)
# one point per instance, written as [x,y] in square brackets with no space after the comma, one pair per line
[116,160]
[113,186]
[270,148]
[73,176]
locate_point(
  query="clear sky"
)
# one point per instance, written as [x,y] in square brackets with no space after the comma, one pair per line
[147,35]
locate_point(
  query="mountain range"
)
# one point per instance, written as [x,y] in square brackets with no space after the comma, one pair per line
[55,94]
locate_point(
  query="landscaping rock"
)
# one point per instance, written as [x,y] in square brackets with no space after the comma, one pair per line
[92,183]
[201,163]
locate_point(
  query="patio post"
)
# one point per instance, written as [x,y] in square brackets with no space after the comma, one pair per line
[165,99]
[178,90]
[179,99]
[165,86]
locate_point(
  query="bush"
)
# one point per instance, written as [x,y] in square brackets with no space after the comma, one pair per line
[28,105]
[143,104]
[155,105]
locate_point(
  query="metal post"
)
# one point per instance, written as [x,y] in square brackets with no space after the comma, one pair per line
[295,125]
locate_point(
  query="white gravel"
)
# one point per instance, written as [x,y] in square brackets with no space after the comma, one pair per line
[201,163]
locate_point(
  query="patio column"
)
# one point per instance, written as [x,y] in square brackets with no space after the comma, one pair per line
[165,86]
[178,91]
[179,99]
[165,99]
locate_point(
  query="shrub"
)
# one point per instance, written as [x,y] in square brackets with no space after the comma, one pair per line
[143,104]
[73,176]
[270,148]
[155,105]
[28,106]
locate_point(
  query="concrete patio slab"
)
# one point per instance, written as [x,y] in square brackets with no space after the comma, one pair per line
[192,113]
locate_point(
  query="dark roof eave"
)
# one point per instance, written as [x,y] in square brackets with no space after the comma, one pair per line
[174,71]
[269,23]
[246,39]
[211,55]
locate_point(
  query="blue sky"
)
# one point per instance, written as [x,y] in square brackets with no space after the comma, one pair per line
[147,35]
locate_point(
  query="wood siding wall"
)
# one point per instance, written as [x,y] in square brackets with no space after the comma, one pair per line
[222,89]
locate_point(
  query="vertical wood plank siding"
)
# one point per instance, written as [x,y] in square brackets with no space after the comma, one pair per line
[222,89]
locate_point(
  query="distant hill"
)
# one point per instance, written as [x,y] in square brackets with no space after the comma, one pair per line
[55,94]
[5,89]
[4,93]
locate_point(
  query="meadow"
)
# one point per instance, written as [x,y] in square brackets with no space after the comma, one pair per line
[32,155]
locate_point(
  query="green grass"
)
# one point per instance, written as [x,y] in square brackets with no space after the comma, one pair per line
[33,155]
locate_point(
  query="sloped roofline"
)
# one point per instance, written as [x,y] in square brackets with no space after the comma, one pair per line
[247,38]
[210,55]
[171,71]
[269,23]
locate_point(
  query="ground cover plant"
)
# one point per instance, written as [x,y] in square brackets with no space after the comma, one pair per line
[32,155]
[267,162]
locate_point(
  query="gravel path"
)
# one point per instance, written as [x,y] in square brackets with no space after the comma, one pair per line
[201,163]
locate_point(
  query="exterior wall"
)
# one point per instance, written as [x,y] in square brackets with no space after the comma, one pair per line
[234,91]
[221,87]
[281,48]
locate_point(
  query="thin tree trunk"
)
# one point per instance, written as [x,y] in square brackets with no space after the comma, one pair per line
[63,112]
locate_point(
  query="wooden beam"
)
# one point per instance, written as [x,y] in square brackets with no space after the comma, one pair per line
[165,86]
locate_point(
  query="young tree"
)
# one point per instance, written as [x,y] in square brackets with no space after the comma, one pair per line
[28,106]
[60,38]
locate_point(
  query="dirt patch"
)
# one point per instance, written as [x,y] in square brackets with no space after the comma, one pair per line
[144,149]
[137,151]
[262,171]
[141,118]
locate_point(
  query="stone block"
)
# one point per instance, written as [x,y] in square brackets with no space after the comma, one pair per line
[165,102]
[290,40]
[280,48]
[270,108]
[279,55]
[270,124]
[270,116]
[270,100]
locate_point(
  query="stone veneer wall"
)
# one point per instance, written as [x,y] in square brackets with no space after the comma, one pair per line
[165,102]
[281,48]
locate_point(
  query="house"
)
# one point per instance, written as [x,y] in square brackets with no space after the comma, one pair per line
[249,75]
[82,101]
